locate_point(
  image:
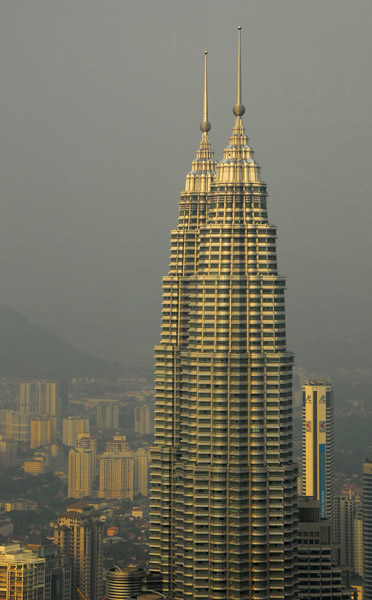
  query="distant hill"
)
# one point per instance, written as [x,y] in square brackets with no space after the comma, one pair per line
[346,362]
[30,351]
[335,353]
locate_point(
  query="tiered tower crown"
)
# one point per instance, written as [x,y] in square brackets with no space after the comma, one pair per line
[203,167]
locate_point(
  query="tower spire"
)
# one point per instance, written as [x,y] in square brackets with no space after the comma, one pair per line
[205,126]
[239,108]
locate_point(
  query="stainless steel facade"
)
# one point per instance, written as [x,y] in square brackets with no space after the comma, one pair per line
[223,484]
[123,583]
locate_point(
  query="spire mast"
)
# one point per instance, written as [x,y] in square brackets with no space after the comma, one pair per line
[205,126]
[239,108]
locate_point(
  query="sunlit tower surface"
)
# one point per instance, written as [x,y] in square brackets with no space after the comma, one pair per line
[318,446]
[223,483]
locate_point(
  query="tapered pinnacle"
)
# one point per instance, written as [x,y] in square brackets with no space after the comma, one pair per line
[239,109]
[205,126]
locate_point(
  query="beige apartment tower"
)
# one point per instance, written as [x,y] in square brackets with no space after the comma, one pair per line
[141,471]
[117,444]
[116,470]
[143,420]
[81,470]
[223,481]
[8,452]
[108,415]
[72,427]
[44,397]
[15,424]
[43,431]
[87,442]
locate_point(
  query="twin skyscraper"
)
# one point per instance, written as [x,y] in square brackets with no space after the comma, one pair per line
[223,484]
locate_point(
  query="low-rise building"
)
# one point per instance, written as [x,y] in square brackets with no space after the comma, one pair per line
[34,466]
[18,504]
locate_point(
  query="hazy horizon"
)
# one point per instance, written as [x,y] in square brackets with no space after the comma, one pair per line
[101,105]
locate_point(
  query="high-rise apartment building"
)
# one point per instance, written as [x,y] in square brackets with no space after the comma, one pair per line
[79,536]
[117,444]
[22,574]
[108,415]
[223,482]
[45,398]
[358,541]
[86,441]
[367,530]
[318,446]
[43,431]
[143,419]
[348,516]
[8,452]
[141,471]
[15,424]
[81,471]
[72,427]
[116,470]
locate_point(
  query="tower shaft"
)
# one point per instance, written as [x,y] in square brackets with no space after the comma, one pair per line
[223,486]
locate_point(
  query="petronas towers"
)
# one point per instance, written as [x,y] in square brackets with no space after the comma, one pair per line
[223,491]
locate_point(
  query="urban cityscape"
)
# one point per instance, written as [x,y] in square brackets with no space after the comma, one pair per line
[235,471]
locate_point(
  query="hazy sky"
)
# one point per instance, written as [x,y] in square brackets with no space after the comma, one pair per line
[101,102]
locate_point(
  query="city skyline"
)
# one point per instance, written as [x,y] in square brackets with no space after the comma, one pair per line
[82,242]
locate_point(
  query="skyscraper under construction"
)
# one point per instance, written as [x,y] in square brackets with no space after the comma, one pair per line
[223,485]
